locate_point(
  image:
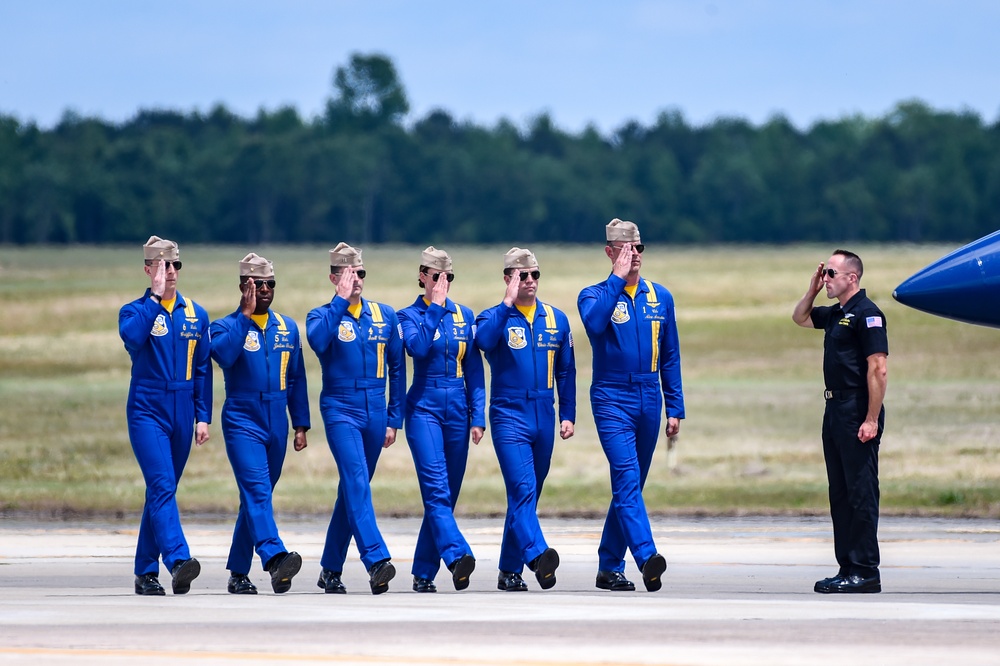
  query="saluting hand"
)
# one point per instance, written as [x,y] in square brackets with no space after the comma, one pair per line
[158,284]
[248,303]
[345,284]
[512,288]
[439,292]
[623,262]
[816,282]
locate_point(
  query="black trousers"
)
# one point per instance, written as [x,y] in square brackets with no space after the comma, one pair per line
[852,472]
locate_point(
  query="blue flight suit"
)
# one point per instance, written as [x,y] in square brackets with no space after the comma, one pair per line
[527,361]
[357,356]
[636,354]
[446,399]
[265,382]
[170,390]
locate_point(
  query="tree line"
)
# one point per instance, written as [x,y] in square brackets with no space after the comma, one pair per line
[358,173]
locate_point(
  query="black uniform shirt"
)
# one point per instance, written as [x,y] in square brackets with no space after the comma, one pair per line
[853,333]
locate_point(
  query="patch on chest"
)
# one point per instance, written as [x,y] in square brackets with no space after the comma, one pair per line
[516,338]
[252,343]
[159,326]
[346,332]
[620,315]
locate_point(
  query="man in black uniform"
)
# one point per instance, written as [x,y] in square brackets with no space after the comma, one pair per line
[855,350]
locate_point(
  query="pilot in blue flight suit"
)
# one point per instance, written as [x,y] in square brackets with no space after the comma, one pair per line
[359,346]
[530,351]
[260,354]
[444,404]
[169,402]
[632,328]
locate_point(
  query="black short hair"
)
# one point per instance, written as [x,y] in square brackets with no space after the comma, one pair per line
[853,262]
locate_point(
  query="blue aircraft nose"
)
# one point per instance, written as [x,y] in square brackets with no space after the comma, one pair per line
[963,285]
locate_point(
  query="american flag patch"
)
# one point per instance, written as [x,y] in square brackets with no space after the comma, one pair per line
[873,322]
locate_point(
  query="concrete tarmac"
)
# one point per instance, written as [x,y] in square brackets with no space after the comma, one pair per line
[737,591]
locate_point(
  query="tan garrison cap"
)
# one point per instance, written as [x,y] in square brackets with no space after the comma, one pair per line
[435,258]
[159,248]
[519,258]
[620,230]
[256,266]
[345,255]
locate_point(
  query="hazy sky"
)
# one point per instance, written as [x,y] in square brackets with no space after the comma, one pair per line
[588,61]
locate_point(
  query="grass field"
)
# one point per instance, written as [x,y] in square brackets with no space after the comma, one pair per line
[753,385]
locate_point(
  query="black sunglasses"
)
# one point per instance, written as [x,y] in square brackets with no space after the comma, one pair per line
[535,274]
[449,276]
[832,272]
[167,264]
[638,247]
[361,273]
[260,284]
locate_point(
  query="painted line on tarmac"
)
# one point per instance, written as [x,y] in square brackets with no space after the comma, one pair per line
[192,655]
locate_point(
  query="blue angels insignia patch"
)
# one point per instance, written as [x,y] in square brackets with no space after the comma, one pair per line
[515,337]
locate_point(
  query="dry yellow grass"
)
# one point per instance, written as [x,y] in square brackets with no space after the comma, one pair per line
[752,380]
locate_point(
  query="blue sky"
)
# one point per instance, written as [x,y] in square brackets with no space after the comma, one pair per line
[583,62]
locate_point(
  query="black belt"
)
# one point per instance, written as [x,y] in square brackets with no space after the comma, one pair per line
[845,393]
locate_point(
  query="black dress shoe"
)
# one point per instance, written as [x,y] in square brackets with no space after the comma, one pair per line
[149,585]
[379,576]
[545,566]
[508,581]
[423,585]
[329,582]
[855,584]
[183,573]
[823,586]
[461,569]
[240,584]
[614,581]
[651,572]
[282,568]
